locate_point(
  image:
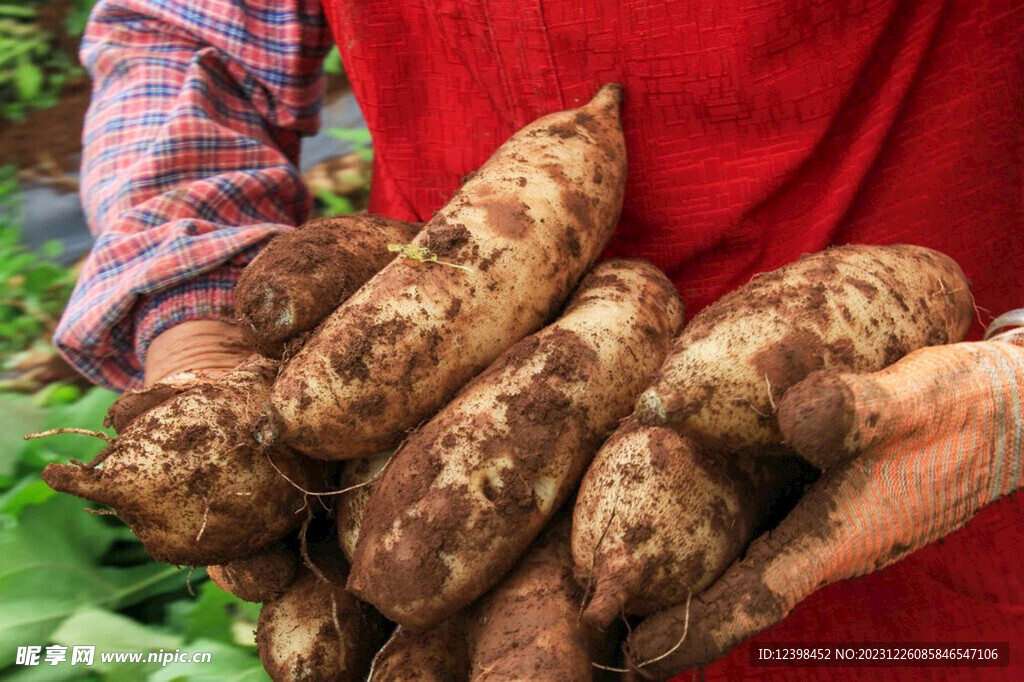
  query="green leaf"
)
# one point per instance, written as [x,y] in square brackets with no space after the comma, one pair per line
[332,62]
[42,277]
[114,633]
[50,571]
[227,664]
[128,551]
[14,111]
[30,490]
[62,672]
[28,80]
[74,22]
[18,416]
[12,11]
[138,583]
[10,236]
[57,393]
[51,249]
[29,622]
[358,136]
[87,413]
[13,264]
[334,204]
[214,615]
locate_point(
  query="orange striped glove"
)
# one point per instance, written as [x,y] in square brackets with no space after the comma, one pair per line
[909,454]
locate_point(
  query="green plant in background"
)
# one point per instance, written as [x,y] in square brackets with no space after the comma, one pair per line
[33,288]
[332,63]
[75,19]
[351,175]
[33,68]
[334,204]
[359,138]
[68,577]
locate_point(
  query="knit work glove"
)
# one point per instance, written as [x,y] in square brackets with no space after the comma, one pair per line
[909,454]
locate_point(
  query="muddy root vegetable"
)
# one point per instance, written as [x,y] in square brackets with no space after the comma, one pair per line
[260,577]
[317,631]
[657,520]
[352,504]
[466,494]
[132,404]
[489,268]
[850,308]
[528,627]
[438,654]
[188,478]
[302,276]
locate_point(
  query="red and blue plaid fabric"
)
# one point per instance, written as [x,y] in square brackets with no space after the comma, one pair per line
[190,153]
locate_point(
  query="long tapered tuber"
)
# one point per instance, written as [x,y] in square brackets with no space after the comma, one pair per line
[849,308]
[467,493]
[404,344]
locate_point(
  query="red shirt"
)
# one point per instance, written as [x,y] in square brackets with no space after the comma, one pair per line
[757,130]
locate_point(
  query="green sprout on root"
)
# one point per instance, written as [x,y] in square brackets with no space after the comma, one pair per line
[423,255]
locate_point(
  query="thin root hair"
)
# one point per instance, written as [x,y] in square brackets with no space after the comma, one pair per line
[593,558]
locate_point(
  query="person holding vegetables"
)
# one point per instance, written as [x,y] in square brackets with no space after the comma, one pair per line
[755,132]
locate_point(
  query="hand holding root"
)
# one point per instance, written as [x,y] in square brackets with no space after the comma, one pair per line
[195,349]
[945,421]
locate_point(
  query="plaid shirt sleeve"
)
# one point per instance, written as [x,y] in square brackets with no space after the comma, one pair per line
[190,151]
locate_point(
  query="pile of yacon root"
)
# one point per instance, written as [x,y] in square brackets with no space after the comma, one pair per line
[466,450]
